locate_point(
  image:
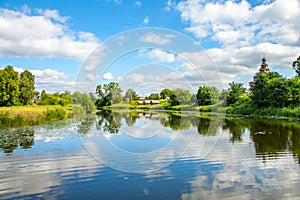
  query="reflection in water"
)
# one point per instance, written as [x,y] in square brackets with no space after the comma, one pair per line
[11,139]
[270,136]
[253,159]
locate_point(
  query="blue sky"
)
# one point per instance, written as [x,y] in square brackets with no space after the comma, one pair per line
[54,39]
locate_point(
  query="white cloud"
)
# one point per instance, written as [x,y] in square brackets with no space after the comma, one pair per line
[244,33]
[44,34]
[52,81]
[169,5]
[155,38]
[138,4]
[108,76]
[239,24]
[92,77]
[146,20]
[159,55]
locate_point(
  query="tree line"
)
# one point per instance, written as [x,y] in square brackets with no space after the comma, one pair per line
[19,89]
[269,90]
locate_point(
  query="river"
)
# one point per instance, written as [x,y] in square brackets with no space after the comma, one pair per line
[146,155]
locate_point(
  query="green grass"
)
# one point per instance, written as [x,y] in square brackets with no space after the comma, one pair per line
[32,115]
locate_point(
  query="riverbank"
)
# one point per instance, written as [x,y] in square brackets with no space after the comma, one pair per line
[242,109]
[33,115]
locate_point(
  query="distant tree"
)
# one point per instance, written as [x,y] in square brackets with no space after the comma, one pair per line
[278,92]
[154,96]
[108,94]
[207,95]
[84,100]
[259,90]
[26,87]
[270,90]
[131,94]
[294,91]
[9,87]
[234,93]
[92,96]
[166,93]
[296,66]
[180,96]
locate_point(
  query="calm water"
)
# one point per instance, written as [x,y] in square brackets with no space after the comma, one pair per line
[152,156]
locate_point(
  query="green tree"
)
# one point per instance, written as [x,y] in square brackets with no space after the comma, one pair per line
[108,94]
[131,94]
[296,66]
[234,93]
[154,96]
[270,90]
[259,90]
[9,87]
[180,97]
[26,87]
[294,91]
[207,95]
[166,93]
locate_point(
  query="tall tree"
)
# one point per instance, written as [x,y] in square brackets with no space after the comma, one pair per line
[180,96]
[207,95]
[9,87]
[108,94]
[296,66]
[26,87]
[131,94]
[234,93]
[166,93]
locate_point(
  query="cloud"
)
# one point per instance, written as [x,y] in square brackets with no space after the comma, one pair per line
[108,76]
[243,32]
[159,55]
[169,5]
[239,24]
[52,81]
[43,34]
[138,4]
[146,20]
[92,77]
[159,39]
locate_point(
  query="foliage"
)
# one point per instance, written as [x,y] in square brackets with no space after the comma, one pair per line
[26,87]
[207,95]
[296,66]
[9,87]
[85,101]
[234,93]
[154,96]
[180,97]
[62,99]
[166,93]
[108,94]
[131,94]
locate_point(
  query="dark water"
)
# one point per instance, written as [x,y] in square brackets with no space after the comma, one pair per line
[152,156]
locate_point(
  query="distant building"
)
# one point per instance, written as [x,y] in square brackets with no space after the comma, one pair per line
[147,102]
[142,98]
[154,102]
[263,69]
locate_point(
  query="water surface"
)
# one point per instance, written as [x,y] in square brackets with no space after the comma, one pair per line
[131,155]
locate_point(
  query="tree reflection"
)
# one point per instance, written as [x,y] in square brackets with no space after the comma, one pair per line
[236,127]
[270,136]
[109,122]
[11,139]
[86,124]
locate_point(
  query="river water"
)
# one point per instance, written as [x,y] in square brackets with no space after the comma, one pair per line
[131,155]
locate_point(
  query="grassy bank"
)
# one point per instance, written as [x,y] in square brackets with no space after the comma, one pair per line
[32,115]
[164,105]
[240,108]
